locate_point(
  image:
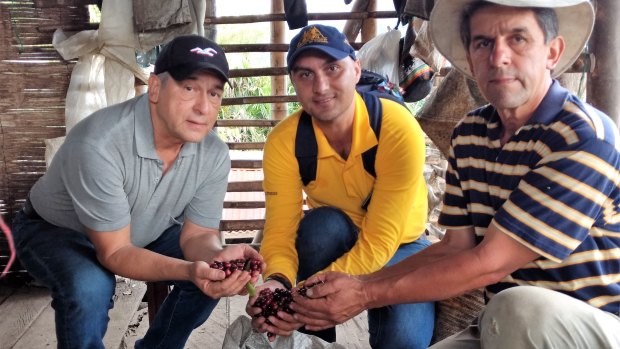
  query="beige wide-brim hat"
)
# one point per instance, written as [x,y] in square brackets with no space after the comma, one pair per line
[575,22]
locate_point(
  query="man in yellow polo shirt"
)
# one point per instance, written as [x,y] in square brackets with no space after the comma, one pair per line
[357,222]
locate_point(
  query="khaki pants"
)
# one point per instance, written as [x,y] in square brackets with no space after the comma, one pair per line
[533,317]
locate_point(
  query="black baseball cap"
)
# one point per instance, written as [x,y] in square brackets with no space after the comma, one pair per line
[187,54]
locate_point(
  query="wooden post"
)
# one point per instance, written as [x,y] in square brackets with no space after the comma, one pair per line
[210,29]
[278,82]
[369,26]
[604,82]
[352,26]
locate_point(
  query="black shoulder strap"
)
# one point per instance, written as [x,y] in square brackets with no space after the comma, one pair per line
[375,115]
[307,149]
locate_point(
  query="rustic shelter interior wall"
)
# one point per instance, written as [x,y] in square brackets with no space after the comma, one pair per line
[34,81]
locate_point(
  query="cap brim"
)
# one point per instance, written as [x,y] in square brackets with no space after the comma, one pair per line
[185,71]
[575,21]
[331,52]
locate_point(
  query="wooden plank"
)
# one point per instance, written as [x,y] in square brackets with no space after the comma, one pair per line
[244,204]
[257,100]
[246,186]
[127,299]
[249,72]
[6,292]
[24,307]
[41,331]
[246,146]
[242,224]
[311,17]
[246,123]
[246,164]
[62,3]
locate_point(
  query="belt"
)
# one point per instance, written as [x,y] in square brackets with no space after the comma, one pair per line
[29,210]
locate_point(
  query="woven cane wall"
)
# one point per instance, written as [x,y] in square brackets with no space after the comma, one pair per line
[34,82]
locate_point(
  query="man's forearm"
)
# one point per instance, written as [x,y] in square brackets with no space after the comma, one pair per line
[438,279]
[202,248]
[142,264]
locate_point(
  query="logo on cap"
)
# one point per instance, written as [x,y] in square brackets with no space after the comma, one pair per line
[205,52]
[312,35]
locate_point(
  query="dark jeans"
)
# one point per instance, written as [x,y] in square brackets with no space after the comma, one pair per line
[82,289]
[325,234]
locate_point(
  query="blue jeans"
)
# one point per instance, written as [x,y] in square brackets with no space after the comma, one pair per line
[325,234]
[82,289]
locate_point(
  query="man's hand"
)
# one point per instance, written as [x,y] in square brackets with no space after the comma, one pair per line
[214,283]
[334,299]
[282,325]
[242,251]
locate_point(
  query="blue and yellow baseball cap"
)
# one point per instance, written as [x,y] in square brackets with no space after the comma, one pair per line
[326,39]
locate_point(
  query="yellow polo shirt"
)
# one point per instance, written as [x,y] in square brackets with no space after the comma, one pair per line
[398,209]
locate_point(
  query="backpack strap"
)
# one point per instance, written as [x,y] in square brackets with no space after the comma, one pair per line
[375,116]
[307,149]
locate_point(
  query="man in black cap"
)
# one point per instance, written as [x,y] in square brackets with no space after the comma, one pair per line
[136,190]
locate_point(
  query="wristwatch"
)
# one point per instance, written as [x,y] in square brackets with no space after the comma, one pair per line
[281,279]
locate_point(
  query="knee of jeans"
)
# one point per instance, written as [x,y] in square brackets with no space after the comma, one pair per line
[92,293]
[325,224]
[402,326]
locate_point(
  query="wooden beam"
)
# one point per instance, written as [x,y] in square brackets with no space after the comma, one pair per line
[253,164]
[255,100]
[229,48]
[353,25]
[62,3]
[246,146]
[246,123]
[246,19]
[244,73]
[246,186]
[604,82]
[278,82]
[242,224]
[369,26]
[311,17]
[244,204]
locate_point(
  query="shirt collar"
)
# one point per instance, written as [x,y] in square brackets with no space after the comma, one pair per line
[363,136]
[551,105]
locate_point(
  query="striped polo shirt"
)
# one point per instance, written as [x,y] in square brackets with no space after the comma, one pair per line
[554,187]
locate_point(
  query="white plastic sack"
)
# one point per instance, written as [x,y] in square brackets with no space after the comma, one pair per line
[381,55]
[51,147]
[241,335]
[86,93]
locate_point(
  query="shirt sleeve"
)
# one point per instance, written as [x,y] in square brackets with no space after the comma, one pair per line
[95,184]
[205,208]
[454,212]
[557,203]
[283,201]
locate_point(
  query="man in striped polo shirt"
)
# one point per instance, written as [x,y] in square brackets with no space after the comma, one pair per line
[532,193]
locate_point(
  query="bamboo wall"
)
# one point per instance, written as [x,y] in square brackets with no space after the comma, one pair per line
[32,93]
